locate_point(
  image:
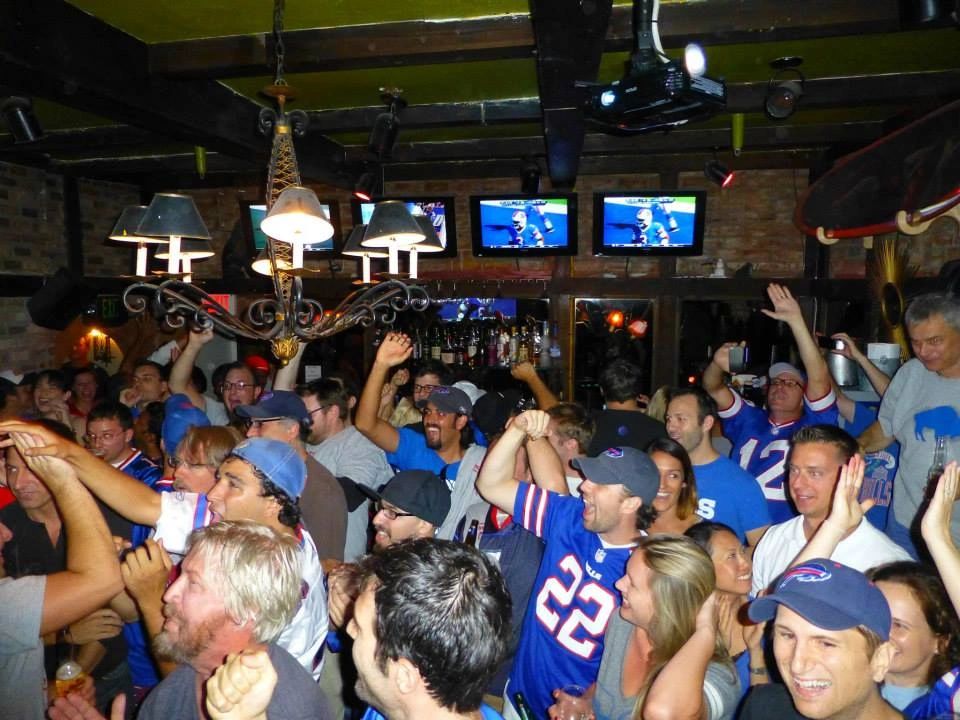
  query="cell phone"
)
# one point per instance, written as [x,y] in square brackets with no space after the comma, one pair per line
[739,357]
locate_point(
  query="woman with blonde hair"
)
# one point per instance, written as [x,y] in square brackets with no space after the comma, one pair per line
[663,657]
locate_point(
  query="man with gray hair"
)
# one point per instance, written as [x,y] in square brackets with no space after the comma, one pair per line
[238,588]
[921,404]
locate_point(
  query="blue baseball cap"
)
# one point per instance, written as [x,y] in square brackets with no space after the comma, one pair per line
[179,415]
[275,405]
[625,466]
[277,460]
[448,399]
[829,595]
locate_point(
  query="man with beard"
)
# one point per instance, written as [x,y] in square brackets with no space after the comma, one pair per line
[443,448]
[260,480]
[238,587]
[429,629]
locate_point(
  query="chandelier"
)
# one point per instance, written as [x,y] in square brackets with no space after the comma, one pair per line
[294,219]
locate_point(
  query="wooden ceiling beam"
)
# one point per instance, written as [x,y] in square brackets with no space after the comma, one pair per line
[49,48]
[719,22]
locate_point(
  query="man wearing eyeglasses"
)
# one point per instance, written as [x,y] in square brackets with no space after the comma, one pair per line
[761,439]
[110,438]
[444,448]
[281,415]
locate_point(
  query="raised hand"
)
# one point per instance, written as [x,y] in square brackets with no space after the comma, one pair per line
[708,616]
[400,378]
[146,571]
[33,448]
[785,306]
[199,338]
[340,594]
[99,625]
[394,350]
[523,371]
[76,707]
[847,512]
[722,355]
[849,348]
[241,688]
[535,423]
[935,524]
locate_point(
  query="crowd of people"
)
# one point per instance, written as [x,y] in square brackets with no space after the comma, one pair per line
[426,547]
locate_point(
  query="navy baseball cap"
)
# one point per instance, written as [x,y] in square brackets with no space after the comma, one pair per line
[179,415]
[449,399]
[275,405]
[493,409]
[277,460]
[420,492]
[625,466]
[829,595]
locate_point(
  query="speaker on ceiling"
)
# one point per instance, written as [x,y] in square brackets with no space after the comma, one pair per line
[60,300]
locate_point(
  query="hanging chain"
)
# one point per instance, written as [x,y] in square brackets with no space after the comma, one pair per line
[278,46]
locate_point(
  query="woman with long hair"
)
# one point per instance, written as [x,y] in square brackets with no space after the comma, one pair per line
[925,631]
[676,500]
[663,656]
[734,570]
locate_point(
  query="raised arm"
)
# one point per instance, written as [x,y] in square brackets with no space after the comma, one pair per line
[286,377]
[120,492]
[496,482]
[182,368]
[393,351]
[873,439]
[879,379]
[92,576]
[715,374]
[935,529]
[787,309]
[545,466]
[527,373]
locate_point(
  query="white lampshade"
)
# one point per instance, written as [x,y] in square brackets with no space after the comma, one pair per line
[297,218]
[431,242]
[262,264]
[392,225]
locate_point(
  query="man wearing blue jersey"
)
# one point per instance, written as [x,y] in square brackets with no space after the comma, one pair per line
[523,232]
[645,229]
[587,543]
[761,439]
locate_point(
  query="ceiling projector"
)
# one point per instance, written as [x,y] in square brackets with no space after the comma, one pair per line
[657,93]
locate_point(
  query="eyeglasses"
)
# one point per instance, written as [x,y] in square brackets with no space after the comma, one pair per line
[424,388]
[390,513]
[176,462]
[256,423]
[784,382]
[106,437]
[237,385]
[321,408]
[145,378]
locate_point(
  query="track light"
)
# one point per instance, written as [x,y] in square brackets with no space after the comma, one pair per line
[783,94]
[18,114]
[530,178]
[367,186]
[383,134]
[716,172]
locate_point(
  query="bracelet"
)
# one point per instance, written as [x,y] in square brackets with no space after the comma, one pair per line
[762,670]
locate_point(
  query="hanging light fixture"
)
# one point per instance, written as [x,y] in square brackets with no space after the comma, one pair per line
[175,217]
[354,248]
[392,227]
[430,244]
[287,317]
[125,231]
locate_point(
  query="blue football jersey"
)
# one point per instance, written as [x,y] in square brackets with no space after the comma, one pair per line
[572,601]
[760,446]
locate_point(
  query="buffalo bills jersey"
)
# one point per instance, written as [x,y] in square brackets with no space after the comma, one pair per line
[572,601]
[530,235]
[760,446]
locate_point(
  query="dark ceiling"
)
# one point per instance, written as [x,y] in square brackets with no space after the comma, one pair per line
[125,90]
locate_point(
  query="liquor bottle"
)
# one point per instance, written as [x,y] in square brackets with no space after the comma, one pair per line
[936,467]
[471,538]
[473,347]
[493,343]
[544,351]
[514,345]
[555,345]
[459,345]
[503,349]
[417,346]
[435,347]
[447,352]
[523,345]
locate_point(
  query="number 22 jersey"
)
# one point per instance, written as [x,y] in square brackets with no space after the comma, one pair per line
[573,598]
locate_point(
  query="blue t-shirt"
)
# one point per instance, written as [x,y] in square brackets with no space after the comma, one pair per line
[881,467]
[412,453]
[573,598]
[761,446]
[728,494]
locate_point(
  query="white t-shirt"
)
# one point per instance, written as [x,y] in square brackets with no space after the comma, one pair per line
[350,454]
[865,548]
[182,513]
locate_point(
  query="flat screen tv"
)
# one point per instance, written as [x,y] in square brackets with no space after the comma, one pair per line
[474,308]
[252,214]
[524,225]
[649,222]
[440,210]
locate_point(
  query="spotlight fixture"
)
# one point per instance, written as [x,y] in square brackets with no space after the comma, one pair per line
[783,93]
[716,172]
[367,186]
[530,178]
[383,135]
[18,114]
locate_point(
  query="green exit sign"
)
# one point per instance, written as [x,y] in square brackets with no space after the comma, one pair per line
[110,310]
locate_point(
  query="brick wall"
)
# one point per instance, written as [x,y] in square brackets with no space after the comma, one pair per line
[23,345]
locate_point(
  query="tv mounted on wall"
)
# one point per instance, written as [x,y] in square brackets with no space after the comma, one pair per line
[253,213]
[524,225]
[649,222]
[440,210]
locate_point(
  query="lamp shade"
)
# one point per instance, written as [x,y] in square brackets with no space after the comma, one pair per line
[262,264]
[392,225]
[354,247]
[431,242]
[297,218]
[190,248]
[125,230]
[170,214]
